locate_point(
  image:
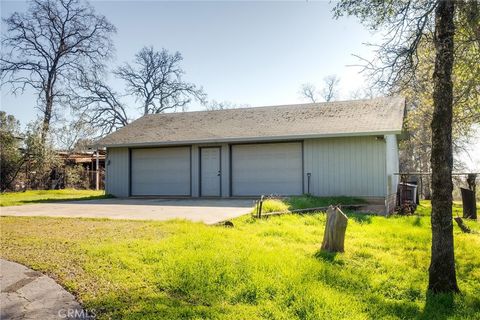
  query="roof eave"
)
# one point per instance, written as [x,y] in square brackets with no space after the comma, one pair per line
[249,139]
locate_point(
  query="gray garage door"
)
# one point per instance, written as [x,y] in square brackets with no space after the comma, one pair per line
[274,168]
[161,171]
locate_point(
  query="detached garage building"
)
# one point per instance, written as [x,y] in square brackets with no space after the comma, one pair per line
[326,149]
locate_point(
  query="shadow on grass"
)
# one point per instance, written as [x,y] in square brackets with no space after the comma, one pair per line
[160,305]
[360,217]
[392,309]
[417,222]
[164,305]
[329,257]
[21,202]
[438,306]
[308,201]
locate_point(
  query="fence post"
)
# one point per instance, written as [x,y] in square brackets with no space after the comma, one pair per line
[260,207]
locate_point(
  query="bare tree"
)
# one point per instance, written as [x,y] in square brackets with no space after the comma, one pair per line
[155,79]
[309,92]
[223,105]
[329,90]
[72,132]
[407,24]
[49,43]
[99,105]
[363,93]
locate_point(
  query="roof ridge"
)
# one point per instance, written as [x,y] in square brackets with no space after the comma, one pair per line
[309,104]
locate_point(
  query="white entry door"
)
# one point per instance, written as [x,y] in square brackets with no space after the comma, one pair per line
[210,172]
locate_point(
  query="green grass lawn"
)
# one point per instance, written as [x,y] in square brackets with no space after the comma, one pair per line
[260,269]
[39,196]
[305,202]
[425,208]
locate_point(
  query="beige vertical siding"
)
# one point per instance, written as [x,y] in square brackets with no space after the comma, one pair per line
[117,172]
[352,166]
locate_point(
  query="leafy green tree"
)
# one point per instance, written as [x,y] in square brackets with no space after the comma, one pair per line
[406,26]
[41,159]
[11,158]
[416,150]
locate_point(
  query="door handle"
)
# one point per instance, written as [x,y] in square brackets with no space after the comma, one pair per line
[219,173]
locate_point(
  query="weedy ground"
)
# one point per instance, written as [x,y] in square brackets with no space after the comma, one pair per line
[259,269]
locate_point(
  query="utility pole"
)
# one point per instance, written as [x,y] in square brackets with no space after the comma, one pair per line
[97,172]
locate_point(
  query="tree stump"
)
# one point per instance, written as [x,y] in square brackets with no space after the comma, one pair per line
[334,236]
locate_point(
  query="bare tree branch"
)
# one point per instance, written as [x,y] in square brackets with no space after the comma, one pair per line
[155,79]
[98,104]
[412,30]
[404,24]
[44,46]
[223,105]
[309,92]
[330,89]
[72,132]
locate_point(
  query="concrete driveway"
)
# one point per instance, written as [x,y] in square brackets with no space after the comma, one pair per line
[209,211]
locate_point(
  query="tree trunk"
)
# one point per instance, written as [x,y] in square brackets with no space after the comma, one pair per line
[427,189]
[334,235]
[47,115]
[442,277]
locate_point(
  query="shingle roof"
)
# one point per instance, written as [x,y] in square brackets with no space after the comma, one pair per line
[341,118]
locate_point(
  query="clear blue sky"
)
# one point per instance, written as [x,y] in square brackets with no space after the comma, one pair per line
[256,53]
